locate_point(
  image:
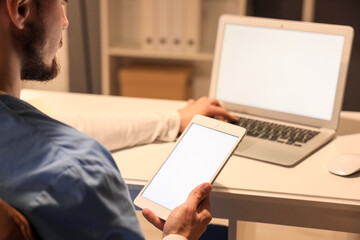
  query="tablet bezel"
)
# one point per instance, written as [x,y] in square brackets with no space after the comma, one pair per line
[211,123]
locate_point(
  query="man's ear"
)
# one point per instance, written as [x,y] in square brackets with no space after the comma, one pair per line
[18,11]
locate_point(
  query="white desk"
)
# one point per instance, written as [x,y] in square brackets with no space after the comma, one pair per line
[306,195]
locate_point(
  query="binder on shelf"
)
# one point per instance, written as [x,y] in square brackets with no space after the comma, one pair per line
[148,24]
[156,81]
[192,23]
[177,26]
[171,25]
[162,26]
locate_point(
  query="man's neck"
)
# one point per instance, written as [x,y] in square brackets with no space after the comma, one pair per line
[10,82]
[10,70]
[13,89]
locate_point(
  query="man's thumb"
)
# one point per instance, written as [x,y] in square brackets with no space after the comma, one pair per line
[199,194]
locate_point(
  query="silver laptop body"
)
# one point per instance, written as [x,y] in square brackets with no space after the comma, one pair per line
[278,72]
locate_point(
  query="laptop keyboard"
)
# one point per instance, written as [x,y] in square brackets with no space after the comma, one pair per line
[276,132]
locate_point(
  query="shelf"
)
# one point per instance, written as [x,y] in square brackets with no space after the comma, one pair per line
[139,53]
[122,39]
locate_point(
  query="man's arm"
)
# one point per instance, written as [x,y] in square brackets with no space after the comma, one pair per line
[189,219]
[117,131]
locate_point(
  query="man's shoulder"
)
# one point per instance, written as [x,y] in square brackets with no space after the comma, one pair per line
[23,121]
[36,150]
[44,138]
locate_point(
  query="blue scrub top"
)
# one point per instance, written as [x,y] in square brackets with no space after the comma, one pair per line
[64,182]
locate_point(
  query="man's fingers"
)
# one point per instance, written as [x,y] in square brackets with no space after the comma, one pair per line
[153,219]
[204,211]
[218,111]
[214,102]
[204,205]
[199,194]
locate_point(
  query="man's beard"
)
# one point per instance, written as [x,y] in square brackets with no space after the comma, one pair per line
[31,42]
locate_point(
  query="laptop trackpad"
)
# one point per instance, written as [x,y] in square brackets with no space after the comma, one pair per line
[246,143]
[268,151]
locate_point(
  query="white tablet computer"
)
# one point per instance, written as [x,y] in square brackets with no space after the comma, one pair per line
[199,155]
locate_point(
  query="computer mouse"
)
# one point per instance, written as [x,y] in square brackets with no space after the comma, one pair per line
[345,164]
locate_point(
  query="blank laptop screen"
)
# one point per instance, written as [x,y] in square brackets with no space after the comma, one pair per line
[280,70]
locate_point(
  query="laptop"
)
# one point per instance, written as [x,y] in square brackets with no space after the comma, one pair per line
[285,80]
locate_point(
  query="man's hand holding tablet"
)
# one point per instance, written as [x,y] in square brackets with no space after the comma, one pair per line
[190,218]
[176,192]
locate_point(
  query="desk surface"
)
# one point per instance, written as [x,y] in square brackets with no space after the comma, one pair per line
[310,180]
[307,182]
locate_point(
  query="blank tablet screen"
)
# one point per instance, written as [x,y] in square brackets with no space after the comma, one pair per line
[195,160]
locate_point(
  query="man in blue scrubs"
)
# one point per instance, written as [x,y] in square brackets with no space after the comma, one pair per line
[65,183]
